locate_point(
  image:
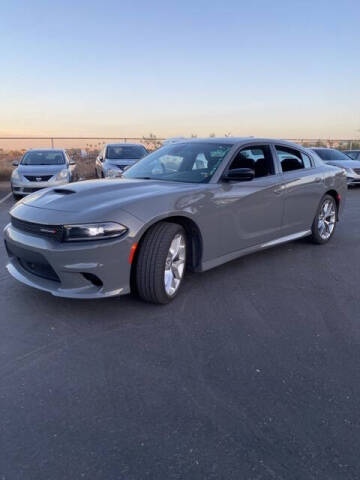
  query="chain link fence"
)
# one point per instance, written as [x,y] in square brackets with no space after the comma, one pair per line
[85,149]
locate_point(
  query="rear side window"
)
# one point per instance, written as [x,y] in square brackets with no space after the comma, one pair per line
[257,158]
[291,159]
[306,160]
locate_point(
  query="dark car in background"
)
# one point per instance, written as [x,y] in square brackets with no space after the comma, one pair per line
[353,154]
[331,156]
[41,169]
[115,157]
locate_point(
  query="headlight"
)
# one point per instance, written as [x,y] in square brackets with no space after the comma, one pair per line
[111,173]
[15,175]
[93,231]
[62,175]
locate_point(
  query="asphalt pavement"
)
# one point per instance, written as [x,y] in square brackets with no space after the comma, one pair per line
[253,372]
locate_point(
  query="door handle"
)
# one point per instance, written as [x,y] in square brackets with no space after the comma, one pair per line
[317,179]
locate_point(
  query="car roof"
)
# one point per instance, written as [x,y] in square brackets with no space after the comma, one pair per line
[238,141]
[61,150]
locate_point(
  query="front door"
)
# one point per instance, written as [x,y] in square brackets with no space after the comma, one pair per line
[250,212]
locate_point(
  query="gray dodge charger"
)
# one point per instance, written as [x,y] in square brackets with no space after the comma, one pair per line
[192,205]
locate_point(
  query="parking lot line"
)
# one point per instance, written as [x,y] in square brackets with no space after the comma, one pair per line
[5,198]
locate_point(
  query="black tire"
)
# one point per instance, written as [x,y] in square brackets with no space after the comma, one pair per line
[315,232]
[150,262]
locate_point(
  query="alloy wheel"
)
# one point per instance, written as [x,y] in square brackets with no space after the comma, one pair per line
[326,219]
[175,264]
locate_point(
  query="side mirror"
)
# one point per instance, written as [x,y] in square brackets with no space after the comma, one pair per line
[15,163]
[239,175]
[101,158]
[72,162]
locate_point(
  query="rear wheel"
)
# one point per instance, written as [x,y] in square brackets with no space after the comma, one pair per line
[324,223]
[160,264]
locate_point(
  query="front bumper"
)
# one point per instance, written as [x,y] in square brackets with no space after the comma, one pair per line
[89,269]
[353,181]
[352,177]
[27,187]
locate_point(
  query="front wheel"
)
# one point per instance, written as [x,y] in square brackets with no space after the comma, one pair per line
[324,223]
[160,264]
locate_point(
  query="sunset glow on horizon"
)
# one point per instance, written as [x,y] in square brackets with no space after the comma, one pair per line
[273,69]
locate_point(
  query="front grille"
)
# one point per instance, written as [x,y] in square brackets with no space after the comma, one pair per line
[357,170]
[30,190]
[32,262]
[50,231]
[38,178]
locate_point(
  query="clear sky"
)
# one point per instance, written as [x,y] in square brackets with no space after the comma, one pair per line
[283,68]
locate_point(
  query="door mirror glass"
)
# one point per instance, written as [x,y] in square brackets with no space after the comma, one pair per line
[239,175]
[15,163]
[101,158]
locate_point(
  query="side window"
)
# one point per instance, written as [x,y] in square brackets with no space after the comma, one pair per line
[258,158]
[291,159]
[306,160]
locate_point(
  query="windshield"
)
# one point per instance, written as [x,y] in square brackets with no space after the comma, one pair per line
[193,162]
[45,157]
[353,154]
[128,152]
[329,154]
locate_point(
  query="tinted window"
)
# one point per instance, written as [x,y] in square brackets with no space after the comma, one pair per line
[44,157]
[291,159]
[329,154]
[306,160]
[193,162]
[354,155]
[128,152]
[257,158]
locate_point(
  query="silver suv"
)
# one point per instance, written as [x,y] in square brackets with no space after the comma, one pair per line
[115,157]
[41,169]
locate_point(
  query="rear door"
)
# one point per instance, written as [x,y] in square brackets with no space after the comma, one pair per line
[302,188]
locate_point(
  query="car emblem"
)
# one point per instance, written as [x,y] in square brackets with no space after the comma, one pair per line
[38,179]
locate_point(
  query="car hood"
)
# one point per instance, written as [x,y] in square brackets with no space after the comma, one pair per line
[100,198]
[40,169]
[120,161]
[344,163]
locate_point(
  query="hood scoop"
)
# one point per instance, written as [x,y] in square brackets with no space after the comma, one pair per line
[63,191]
